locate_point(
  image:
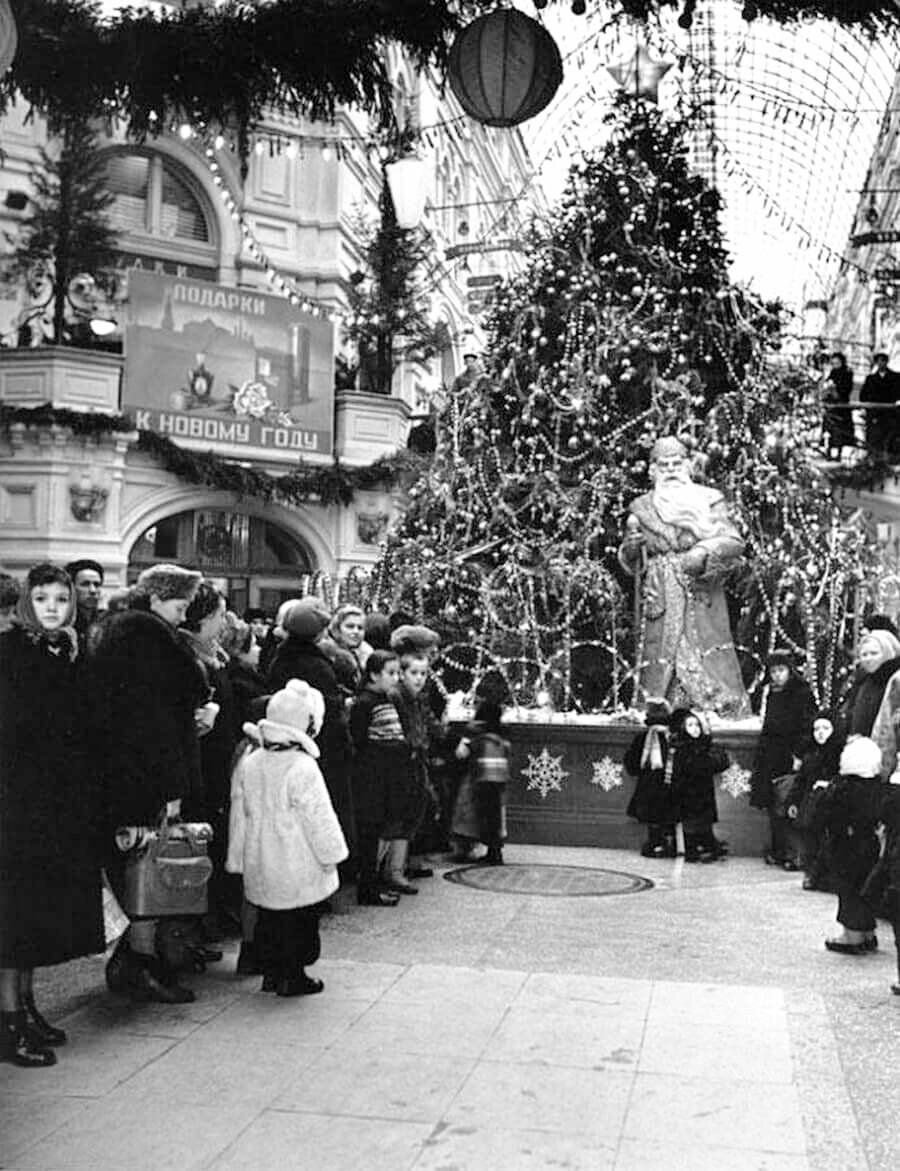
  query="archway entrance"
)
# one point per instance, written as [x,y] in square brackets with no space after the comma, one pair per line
[254,562]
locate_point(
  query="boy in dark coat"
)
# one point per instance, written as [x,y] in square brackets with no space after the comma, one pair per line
[649,759]
[788,708]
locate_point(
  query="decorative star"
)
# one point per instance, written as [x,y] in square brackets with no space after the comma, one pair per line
[735,781]
[545,773]
[607,774]
[639,75]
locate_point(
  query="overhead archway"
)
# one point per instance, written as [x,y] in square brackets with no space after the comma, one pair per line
[255,561]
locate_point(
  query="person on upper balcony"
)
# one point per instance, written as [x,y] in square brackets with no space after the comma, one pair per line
[881,386]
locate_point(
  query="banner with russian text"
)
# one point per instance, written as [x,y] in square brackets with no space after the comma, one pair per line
[231,368]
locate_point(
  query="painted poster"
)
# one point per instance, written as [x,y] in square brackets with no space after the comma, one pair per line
[227,367]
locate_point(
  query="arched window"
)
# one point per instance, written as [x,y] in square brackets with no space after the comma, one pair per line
[156,209]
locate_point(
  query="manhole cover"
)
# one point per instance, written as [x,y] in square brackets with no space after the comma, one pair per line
[553,881]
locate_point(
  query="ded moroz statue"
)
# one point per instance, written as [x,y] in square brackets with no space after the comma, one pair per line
[681,540]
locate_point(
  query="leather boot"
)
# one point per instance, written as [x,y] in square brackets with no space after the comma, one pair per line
[40,1027]
[19,1046]
[147,983]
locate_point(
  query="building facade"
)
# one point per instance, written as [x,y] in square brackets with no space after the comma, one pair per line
[232,308]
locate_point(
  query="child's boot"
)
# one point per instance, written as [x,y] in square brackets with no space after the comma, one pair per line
[301,985]
[494,856]
[398,848]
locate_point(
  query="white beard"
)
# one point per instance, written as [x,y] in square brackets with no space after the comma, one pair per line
[686,505]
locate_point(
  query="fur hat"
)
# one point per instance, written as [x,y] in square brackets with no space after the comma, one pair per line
[780,657]
[407,639]
[861,758]
[306,618]
[168,581]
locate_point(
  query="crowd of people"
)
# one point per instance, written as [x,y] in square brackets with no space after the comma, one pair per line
[309,752]
[829,783]
[311,756]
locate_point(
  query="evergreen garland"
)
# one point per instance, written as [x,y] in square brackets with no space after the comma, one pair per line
[225,64]
[336,484]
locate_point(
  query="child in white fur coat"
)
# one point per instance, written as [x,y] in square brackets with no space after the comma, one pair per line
[285,838]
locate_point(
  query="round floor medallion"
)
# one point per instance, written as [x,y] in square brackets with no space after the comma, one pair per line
[550,881]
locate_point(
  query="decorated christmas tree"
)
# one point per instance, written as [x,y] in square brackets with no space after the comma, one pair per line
[623,328]
[66,233]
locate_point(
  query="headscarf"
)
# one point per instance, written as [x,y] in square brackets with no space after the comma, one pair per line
[888,646]
[64,635]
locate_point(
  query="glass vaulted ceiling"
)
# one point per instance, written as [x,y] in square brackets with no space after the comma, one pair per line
[786,122]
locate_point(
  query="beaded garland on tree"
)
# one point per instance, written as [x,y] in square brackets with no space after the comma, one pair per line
[623,327]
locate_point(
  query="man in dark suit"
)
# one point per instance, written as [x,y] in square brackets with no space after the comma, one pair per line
[881,386]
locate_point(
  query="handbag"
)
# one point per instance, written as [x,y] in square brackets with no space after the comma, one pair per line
[167,870]
[781,792]
[492,761]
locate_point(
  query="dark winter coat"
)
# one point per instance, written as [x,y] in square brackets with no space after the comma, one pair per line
[653,802]
[50,810]
[247,685]
[296,659]
[820,763]
[385,793]
[785,733]
[866,698]
[694,768]
[890,815]
[145,687]
[218,744]
[850,812]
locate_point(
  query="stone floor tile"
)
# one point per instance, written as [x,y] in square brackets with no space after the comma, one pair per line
[302,1020]
[23,1121]
[704,1112]
[590,993]
[758,1008]
[461,1148]
[717,1051]
[283,1142]
[605,1039]
[89,1066]
[352,980]
[441,983]
[377,1083]
[117,1015]
[510,1096]
[103,1138]
[645,1156]
[452,1028]
[203,1071]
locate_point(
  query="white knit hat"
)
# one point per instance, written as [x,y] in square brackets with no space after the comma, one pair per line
[298,707]
[861,758]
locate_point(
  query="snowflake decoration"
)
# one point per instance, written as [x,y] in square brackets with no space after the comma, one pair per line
[607,774]
[735,781]
[545,773]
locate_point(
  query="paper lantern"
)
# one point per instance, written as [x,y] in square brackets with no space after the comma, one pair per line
[504,68]
[407,179]
[9,38]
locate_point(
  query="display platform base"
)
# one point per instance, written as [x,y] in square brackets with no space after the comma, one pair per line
[568,787]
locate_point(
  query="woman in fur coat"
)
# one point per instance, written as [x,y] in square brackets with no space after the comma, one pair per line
[148,696]
[285,838]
